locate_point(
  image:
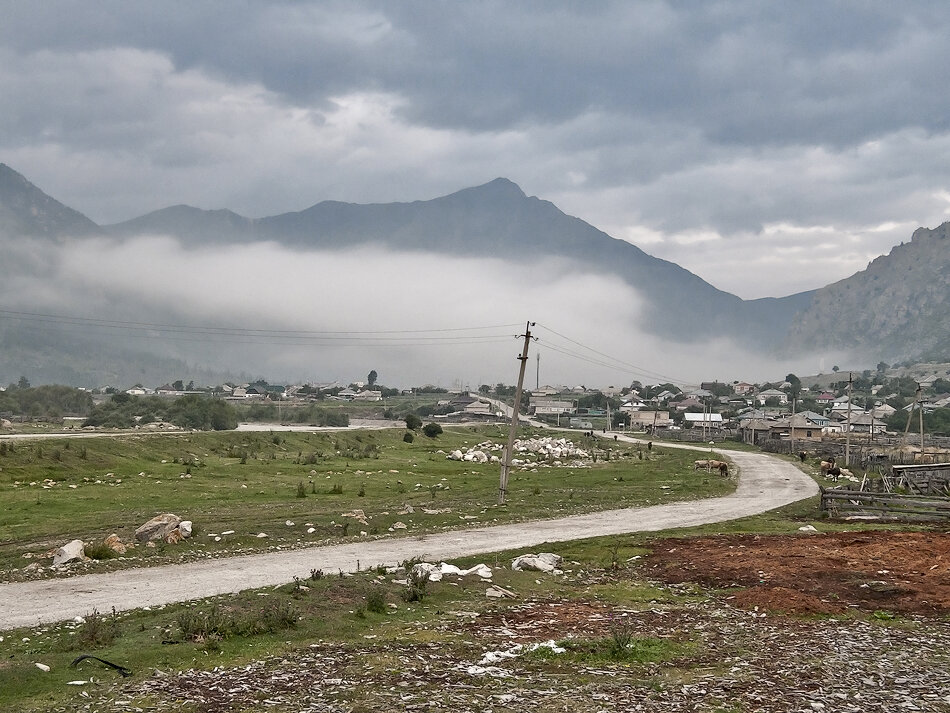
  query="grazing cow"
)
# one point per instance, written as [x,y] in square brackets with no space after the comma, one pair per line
[724,469]
[826,466]
[701,464]
[834,472]
[802,456]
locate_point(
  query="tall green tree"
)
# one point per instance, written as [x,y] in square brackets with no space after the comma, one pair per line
[795,385]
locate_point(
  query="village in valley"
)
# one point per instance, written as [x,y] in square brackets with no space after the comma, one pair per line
[872,407]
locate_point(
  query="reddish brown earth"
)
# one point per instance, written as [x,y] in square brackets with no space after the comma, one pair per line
[907,572]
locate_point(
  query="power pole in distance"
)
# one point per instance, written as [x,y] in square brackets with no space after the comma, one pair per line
[512,432]
[847,438]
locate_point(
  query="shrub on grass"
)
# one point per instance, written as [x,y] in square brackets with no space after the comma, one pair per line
[416,585]
[98,630]
[376,601]
[99,551]
[301,490]
[200,625]
[432,430]
[408,437]
[276,616]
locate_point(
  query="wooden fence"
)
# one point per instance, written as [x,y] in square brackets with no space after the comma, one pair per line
[840,502]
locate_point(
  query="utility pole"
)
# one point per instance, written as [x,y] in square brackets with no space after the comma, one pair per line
[792,423]
[847,439]
[910,416]
[512,432]
[537,374]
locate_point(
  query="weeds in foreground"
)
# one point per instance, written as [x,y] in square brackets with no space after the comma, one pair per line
[217,624]
[98,630]
[99,551]
[416,585]
[376,601]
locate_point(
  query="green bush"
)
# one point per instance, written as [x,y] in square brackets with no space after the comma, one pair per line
[432,430]
[376,601]
[413,422]
[407,438]
[99,551]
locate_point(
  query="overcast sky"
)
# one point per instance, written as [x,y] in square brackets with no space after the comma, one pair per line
[768,147]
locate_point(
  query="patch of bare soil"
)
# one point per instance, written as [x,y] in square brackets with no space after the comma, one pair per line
[906,572]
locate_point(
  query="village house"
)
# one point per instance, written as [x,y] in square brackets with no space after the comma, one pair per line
[550,407]
[803,427]
[741,388]
[689,402]
[703,420]
[646,420]
[866,423]
[764,396]
[756,430]
[632,405]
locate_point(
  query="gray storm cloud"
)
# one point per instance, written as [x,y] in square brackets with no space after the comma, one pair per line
[764,127]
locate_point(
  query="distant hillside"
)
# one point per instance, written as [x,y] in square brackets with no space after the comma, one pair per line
[498,220]
[189,224]
[896,309]
[26,211]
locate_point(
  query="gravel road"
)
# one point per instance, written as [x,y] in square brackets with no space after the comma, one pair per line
[765,483]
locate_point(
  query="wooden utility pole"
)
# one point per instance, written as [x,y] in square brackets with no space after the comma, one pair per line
[512,432]
[847,438]
[792,424]
[910,416]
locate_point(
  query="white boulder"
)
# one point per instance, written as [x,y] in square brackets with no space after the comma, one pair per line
[158,528]
[70,552]
[544,562]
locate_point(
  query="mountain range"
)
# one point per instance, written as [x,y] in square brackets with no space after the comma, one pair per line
[896,309]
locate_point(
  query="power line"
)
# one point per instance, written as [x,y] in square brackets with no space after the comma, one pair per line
[209,333]
[611,361]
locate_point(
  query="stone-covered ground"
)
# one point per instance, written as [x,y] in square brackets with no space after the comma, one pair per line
[852,622]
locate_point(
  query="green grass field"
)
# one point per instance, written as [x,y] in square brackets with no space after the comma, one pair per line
[56,490]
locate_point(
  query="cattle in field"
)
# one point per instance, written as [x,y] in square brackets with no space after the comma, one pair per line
[826,466]
[701,464]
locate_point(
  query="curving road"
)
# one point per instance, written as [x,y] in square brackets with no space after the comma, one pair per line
[765,483]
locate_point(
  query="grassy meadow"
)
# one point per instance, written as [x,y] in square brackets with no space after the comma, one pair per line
[375,625]
[246,483]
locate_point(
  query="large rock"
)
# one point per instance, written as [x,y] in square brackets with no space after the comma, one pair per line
[544,562]
[115,544]
[70,552]
[158,528]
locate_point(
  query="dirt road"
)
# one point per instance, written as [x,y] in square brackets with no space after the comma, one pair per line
[765,483]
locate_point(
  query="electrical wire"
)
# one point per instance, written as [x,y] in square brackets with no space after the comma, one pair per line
[206,333]
[603,359]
